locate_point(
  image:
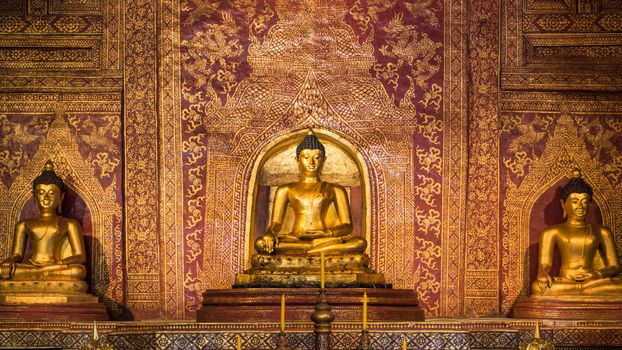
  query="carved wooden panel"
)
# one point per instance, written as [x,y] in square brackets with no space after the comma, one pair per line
[76,42]
[562,45]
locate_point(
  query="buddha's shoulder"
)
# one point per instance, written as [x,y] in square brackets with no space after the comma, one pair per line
[24,223]
[555,229]
[335,186]
[70,222]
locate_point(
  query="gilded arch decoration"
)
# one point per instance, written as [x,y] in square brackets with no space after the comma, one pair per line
[564,151]
[62,148]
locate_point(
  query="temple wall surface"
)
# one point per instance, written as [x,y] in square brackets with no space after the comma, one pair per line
[467,115]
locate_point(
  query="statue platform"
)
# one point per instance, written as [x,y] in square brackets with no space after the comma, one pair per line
[263,304]
[303,271]
[568,308]
[49,300]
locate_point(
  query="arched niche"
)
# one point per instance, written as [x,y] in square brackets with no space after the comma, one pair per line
[276,165]
[545,212]
[85,197]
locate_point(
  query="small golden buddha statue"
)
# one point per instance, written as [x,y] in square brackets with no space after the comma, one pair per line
[310,199]
[581,247]
[54,273]
[291,258]
[49,235]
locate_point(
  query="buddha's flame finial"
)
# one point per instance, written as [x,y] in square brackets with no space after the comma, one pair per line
[49,165]
[576,173]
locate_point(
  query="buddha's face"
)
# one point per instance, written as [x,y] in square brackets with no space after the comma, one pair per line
[310,161]
[577,205]
[47,197]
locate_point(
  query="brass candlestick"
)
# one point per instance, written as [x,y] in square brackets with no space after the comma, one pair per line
[322,318]
[281,343]
[537,343]
[364,341]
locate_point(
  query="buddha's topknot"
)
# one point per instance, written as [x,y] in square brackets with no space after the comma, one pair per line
[48,177]
[310,142]
[576,185]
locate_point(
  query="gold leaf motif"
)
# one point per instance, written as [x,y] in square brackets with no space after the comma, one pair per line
[196,216]
[518,164]
[430,160]
[427,189]
[433,97]
[106,164]
[194,245]
[430,128]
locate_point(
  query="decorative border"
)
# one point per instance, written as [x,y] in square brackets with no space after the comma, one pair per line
[454,159]
[482,237]
[458,334]
[142,178]
[172,207]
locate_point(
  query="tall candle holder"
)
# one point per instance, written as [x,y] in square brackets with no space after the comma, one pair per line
[364,340]
[281,343]
[322,317]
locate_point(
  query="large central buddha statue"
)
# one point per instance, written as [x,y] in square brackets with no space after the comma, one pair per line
[291,257]
[310,198]
[588,252]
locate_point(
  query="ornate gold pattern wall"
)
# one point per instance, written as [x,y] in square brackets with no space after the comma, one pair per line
[459,140]
[309,64]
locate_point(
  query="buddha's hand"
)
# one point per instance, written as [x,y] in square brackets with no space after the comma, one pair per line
[582,276]
[269,242]
[313,234]
[6,268]
[544,280]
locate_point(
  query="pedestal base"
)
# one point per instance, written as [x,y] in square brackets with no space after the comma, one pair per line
[302,271]
[558,308]
[53,312]
[49,301]
[263,305]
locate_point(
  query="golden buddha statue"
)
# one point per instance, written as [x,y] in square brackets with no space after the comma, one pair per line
[54,272]
[310,198]
[588,252]
[292,258]
[49,235]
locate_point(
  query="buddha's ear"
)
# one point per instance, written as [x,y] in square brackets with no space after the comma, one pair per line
[563,208]
[60,203]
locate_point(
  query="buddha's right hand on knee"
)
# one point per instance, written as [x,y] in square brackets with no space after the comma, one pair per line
[544,281]
[266,243]
[7,267]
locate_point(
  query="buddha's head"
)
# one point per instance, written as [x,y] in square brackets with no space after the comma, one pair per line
[576,197]
[48,189]
[310,155]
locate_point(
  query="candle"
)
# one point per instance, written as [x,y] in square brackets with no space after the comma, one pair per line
[365,311]
[322,270]
[282,312]
[239,343]
[403,343]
